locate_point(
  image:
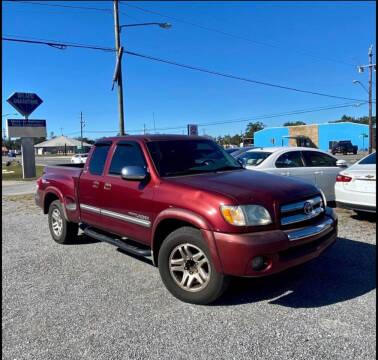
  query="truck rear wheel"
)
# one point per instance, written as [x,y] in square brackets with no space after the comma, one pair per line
[62,231]
[187,270]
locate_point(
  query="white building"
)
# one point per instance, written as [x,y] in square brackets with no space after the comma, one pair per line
[61,145]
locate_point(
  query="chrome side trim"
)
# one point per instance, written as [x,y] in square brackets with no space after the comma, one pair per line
[116,215]
[90,208]
[131,219]
[301,217]
[299,205]
[313,230]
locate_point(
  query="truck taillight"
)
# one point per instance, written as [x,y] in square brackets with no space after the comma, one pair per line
[39,181]
[343,178]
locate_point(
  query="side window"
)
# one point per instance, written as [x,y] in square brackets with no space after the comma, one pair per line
[126,154]
[289,160]
[317,159]
[97,162]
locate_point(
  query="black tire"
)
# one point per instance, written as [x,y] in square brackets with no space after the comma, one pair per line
[68,230]
[215,283]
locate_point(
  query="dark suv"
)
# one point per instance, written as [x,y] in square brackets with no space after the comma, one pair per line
[344,147]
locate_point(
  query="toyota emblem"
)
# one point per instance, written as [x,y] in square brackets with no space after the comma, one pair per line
[307,208]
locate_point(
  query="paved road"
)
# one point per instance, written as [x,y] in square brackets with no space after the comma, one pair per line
[48,160]
[89,301]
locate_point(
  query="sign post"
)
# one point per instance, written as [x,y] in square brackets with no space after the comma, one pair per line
[192,129]
[25,104]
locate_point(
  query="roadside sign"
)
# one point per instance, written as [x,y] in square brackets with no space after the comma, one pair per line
[192,129]
[79,147]
[24,103]
[26,128]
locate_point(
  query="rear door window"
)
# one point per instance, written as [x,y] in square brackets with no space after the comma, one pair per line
[290,159]
[318,159]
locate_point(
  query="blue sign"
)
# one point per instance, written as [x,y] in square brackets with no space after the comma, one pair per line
[24,103]
[26,123]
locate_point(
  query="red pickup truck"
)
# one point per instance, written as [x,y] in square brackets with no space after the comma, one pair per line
[190,206]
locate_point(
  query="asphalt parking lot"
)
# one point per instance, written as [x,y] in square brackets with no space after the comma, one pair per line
[90,301]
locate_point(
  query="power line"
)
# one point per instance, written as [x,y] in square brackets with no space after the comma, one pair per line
[63,46]
[238,120]
[69,6]
[236,36]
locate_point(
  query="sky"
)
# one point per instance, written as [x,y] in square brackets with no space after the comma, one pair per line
[312,46]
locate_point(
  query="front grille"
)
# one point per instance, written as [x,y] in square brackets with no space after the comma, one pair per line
[301,212]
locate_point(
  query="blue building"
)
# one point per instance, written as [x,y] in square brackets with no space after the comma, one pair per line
[320,135]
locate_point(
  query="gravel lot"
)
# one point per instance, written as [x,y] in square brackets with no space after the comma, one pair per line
[90,301]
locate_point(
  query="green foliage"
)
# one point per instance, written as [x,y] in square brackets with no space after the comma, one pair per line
[296,123]
[362,120]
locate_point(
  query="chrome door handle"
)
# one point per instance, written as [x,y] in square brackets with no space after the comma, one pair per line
[95,184]
[107,186]
[319,172]
[285,173]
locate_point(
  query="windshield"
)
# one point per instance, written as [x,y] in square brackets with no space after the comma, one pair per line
[369,160]
[253,158]
[186,157]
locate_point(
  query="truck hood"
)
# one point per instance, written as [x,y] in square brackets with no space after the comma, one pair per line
[250,186]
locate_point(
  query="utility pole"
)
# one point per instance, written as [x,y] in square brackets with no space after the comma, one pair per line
[370,99]
[82,124]
[371,67]
[118,74]
[144,129]
[153,117]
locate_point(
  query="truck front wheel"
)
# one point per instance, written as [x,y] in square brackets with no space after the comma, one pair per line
[62,231]
[187,270]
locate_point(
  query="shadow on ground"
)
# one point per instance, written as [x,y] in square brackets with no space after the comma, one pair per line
[82,239]
[344,272]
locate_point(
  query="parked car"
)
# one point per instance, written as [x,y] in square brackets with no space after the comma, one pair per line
[232,150]
[241,151]
[344,147]
[79,158]
[355,186]
[309,164]
[200,219]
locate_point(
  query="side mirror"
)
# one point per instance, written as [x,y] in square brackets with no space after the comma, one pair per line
[341,164]
[242,162]
[134,173]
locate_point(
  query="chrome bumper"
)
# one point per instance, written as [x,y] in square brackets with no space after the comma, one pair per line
[323,227]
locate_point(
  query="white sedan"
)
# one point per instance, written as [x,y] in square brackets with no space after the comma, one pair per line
[309,164]
[79,158]
[355,187]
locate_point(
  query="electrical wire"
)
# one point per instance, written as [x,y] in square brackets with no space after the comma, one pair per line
[236,36]
[70,6]
[63,46]
[239,120]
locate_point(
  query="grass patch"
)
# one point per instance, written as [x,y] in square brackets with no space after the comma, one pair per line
[24,203]
[14,172]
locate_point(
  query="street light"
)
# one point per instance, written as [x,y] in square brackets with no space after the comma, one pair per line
[359,82]
[162,25]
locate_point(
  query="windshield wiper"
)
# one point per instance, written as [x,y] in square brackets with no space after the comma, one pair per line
[224,168]
[186,172]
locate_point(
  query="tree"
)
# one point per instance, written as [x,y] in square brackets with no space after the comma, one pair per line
[296,123]
[52,135]
[252,128]
[362,120]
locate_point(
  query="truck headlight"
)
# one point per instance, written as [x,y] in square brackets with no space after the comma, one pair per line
[246,215]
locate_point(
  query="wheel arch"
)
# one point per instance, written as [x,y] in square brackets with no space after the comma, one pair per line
[173,218]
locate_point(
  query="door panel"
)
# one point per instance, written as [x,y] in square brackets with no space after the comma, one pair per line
[126,203]
[291,164]
[325,171]
[91,185]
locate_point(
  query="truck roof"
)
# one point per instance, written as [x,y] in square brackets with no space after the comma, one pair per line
[154,137]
